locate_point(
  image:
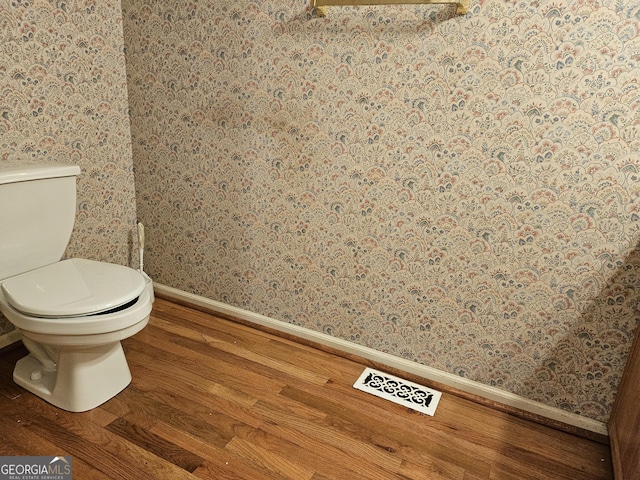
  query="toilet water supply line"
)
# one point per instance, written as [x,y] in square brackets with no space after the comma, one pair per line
[141,254]
[141,245]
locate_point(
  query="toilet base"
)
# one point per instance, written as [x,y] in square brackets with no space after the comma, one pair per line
[83,378]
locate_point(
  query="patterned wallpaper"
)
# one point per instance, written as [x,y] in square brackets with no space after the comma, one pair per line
[462,192]
[458,191]
[63,99]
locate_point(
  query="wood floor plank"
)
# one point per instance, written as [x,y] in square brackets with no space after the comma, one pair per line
[225,404]
[214,399]
[324,433]
[220,463]
[333,446]
[181,380]
[316,460]
[251,355]
[197,321]
[88,442]
[306,358]
[376,421]
[437,470]
[371,427]
[201,360]
[291,410]
[26,443]
[180,412]
[502,441]
[275,463]
[155,444]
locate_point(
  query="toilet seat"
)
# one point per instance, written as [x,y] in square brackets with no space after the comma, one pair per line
[72,288]
[76,297]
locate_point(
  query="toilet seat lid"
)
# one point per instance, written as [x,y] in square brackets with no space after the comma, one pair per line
[73,287]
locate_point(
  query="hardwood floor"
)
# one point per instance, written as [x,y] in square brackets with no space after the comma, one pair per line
[215,399]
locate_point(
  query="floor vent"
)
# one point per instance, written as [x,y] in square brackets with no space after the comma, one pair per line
[398,390]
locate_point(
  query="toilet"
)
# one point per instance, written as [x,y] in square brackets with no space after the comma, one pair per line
[72,314]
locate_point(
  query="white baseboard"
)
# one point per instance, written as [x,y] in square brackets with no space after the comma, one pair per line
[9,338]
[429,373]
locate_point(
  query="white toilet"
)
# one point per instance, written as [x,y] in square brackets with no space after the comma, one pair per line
[71,314]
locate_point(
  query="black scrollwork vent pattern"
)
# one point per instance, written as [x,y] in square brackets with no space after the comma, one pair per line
[398,390]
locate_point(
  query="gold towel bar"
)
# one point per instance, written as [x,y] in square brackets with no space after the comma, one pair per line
[462,6]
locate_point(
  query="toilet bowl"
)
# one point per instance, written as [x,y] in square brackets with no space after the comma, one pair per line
[71,314]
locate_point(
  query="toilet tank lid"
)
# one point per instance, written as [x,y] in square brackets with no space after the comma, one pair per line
[20,172]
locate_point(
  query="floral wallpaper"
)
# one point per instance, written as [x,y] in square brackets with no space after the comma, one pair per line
[459,191]
[63,99]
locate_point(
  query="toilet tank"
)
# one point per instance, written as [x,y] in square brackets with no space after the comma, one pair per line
[37,213]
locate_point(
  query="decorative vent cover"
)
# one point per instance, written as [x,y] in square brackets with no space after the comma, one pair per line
[398,390]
